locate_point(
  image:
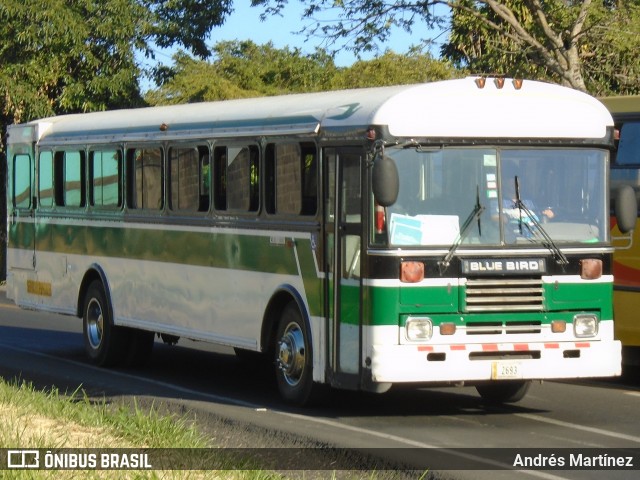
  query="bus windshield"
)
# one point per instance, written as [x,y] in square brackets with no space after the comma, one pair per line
[494,196]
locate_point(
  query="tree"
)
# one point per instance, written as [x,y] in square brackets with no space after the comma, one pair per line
[556,37]
[395,69]
[243,69]
[69,56]
[600,57]
[79,55]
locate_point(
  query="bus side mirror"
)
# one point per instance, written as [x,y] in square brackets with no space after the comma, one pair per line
[385,180]
[626,208]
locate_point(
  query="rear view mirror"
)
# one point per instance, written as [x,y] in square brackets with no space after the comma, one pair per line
[386,183]
[626,208]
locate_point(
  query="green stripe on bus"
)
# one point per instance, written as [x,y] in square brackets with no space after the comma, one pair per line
[217,249]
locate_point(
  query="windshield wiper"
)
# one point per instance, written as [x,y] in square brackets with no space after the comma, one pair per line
[559,257]
[475,214]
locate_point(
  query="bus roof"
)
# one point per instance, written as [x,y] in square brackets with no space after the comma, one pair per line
[445,109]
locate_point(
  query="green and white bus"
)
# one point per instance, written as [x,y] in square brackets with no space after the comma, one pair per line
[358,238]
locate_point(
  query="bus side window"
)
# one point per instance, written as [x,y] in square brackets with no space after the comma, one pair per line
[45,179]
[146,175]
[74,175]
[106,184]
[68,178]
[291,179]
[220,178]
[243,180]
[188,190]
[22,181]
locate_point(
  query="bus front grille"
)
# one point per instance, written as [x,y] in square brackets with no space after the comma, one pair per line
[504,295]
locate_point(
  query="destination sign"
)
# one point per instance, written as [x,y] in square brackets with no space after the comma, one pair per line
[511,266]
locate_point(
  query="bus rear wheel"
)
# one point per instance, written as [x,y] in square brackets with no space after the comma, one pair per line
[105,344]
[293,357]
[508,391]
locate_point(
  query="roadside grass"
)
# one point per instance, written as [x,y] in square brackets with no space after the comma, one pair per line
[33,419]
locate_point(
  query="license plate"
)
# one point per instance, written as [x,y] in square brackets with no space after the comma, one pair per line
[501,370]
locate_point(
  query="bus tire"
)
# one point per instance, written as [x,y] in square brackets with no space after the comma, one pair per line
[105,344]
[293,357]
[508,391]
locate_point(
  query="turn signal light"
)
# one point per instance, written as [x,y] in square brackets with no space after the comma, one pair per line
[447,328]
[558,326]
[590,268]
[411,272]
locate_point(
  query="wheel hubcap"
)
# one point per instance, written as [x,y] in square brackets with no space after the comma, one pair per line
[95,323]
[291,354]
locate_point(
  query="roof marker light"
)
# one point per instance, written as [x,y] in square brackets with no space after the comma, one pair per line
[499,82]
[517,83]
[480,81]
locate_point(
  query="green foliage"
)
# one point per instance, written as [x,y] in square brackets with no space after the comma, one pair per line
[79,55]
[606,46]
[474,44]
[71,56]
[243,69]
[585,44]
[186,22]
[610,53]
[395,69]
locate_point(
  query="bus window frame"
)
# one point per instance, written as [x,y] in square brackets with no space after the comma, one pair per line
[199,146]
[91,177]
[221,182]
[271,178]
[130,180]
[28,205]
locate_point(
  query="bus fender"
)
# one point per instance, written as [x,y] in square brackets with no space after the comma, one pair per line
[280,298]
[95,272]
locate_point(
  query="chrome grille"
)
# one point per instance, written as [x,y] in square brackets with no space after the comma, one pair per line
[503,328]
[504,295]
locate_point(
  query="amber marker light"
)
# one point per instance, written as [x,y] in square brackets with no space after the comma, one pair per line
[499,81]
[480,81]
[590,268]
[447,328]
[517,83]
[411,272]
[558,326]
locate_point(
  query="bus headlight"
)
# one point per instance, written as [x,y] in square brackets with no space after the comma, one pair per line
[585,326]
[419,328]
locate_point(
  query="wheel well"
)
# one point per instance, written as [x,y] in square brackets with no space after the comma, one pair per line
[272,315]
[91,275]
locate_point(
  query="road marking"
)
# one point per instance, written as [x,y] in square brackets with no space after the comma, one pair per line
[322,421]
[413,443]
[584,428]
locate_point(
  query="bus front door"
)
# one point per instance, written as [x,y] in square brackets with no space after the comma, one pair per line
[344,239]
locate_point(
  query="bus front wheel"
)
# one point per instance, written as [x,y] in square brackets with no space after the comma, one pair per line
[293,357]
[105,344]
[508,391]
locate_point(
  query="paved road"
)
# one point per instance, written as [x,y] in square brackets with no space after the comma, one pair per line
[215,385]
